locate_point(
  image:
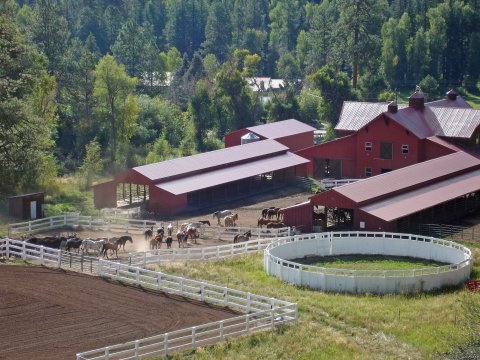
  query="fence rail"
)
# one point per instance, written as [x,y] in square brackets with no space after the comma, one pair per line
[331,183]
[165,256]
[262,313]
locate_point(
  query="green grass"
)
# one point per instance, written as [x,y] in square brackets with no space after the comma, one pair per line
[336,326]
[473,100]
[368,262]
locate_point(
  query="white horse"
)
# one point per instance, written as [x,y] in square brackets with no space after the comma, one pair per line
[221,214]
[89,244]
[170,229]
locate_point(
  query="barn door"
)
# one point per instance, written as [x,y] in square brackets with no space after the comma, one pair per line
[33,210]
[327,168]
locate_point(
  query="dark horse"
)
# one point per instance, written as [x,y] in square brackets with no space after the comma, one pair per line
[204,222]
[73,243]
[122,240]
[169,241]
[148,233]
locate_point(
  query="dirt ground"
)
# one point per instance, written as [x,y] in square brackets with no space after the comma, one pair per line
[54,314]
[248,210]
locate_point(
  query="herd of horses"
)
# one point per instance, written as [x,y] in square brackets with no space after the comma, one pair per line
[271,218]
[99,246]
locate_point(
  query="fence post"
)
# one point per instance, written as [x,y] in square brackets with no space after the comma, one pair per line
[64,219]
[221,329]
[144,259]
[24,253]
[202,291]
[247,326]
[7,244]
[193,337]
[29,226]
[81,263]
[41,255]
[59,253]
[165,346]
[107,353]
[136,347]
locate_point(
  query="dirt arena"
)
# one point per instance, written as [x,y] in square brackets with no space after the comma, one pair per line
[54,314]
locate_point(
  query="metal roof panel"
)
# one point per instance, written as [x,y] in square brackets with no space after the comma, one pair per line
[233,173]
[188,164]
[404,178]
[425,197]
[281,129]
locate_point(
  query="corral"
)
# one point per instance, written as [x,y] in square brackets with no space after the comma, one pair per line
[53,314]
[457,257]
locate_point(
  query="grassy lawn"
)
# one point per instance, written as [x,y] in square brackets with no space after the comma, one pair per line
[369,262]
[336,326]
[473,100]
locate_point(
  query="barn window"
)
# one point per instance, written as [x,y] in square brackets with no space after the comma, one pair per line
[386,150]
[368,146]
[368,172]
[404,149]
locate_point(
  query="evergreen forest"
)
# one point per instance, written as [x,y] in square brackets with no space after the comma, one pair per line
[97,86]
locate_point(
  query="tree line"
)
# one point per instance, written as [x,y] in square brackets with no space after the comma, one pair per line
[106,84]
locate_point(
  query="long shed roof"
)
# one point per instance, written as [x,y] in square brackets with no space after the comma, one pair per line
[281,129]
[425,197]
[228,156]
[233,173]
[408,177]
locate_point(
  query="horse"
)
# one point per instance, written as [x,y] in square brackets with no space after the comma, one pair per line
[122,240]
[242,237]
[148,233]
[182,238]
[263,221]
[169,229]
[204,222]
[95,245]
[112,247]
[158,239]
[169,241]
[230,220]
[160,231]
[192,232]
[276,225]
[153,243]
[221,214]
[272,213]
[264,212]
[73,243]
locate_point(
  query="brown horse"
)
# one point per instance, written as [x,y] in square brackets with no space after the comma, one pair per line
[230,220]
[263,221]
[192,233]
[242,237]
[276,225]
[158,239]
[108,246]
[122,240]
[148,233]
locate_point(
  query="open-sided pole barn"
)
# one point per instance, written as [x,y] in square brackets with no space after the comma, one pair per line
[176,185]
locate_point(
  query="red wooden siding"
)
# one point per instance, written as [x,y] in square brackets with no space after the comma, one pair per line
[234,138]
[298,141]
[299,215]
[166,203]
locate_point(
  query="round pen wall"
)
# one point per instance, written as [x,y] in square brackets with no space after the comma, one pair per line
[278,254]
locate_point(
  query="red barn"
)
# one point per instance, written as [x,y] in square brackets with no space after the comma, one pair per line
[380,138]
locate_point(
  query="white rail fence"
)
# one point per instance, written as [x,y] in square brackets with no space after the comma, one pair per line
[165,256]
[261,312]
[331,183]
[458,257]
[133,226]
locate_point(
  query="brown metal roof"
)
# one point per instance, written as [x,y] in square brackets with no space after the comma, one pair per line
[165,169]
[408,177]
[233,173]
[281,129]
[356,115]
[414,121]
[440,141]
[425,197]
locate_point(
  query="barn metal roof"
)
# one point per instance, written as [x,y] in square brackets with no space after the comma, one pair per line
[356,115]
[451,118]
[212,159]
[281,129]
[233,173]
[408,177]
[454,122]
[425,197]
